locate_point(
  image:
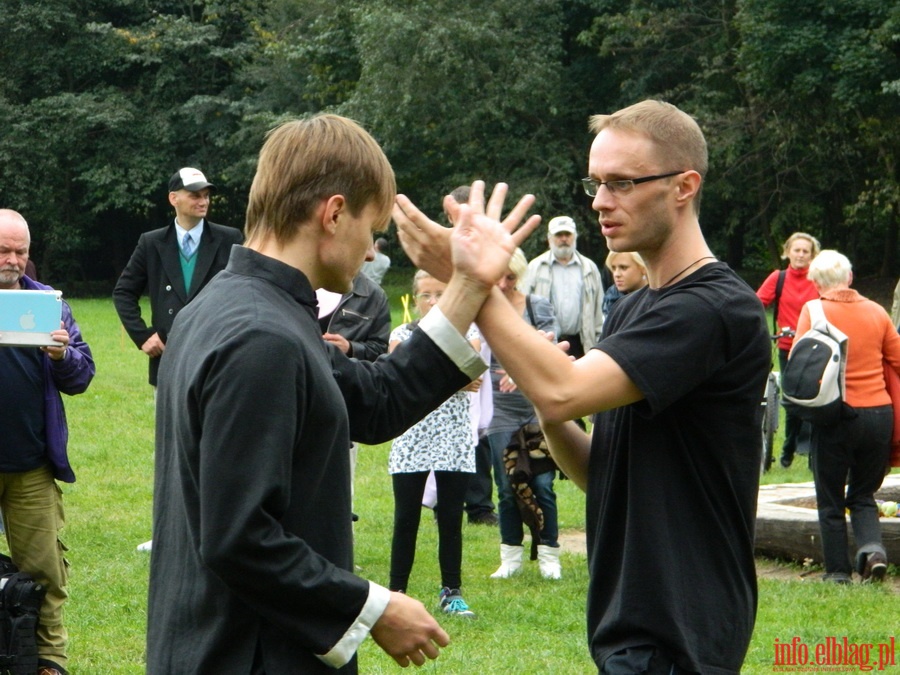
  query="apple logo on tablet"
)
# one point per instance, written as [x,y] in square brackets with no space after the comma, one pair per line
[27,320]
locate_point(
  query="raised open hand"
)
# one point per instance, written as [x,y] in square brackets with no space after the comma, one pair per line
[428,244]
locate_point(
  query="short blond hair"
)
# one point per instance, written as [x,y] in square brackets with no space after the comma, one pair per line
[677,136]
[518,265]
[813,243]
[305,161]
[417,277]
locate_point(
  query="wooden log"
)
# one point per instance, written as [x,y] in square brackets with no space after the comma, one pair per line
[787,524]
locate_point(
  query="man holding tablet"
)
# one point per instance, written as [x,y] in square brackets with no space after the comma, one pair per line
[33,446]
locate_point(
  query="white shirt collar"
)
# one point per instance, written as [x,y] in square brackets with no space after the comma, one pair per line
[196,232]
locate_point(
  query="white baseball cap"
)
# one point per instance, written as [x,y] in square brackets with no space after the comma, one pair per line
[189,179]
[562,224]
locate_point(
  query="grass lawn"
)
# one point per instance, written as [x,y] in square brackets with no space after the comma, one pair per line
[525,623]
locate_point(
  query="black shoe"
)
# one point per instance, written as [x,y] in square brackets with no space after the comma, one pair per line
[48,667]
[486,518]
[786,461]
[839,578]
[876,568]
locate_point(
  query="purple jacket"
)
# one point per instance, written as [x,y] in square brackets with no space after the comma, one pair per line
[70,376]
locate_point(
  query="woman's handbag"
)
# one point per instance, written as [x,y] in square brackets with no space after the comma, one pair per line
[526,456]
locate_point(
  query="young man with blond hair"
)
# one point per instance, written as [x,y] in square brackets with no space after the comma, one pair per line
[252,566]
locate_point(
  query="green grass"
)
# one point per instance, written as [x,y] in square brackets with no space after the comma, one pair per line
[815,611]
[525,620]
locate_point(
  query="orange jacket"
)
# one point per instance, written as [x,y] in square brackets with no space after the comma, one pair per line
[872,341]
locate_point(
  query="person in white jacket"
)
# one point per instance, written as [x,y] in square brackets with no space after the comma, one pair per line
[572,283]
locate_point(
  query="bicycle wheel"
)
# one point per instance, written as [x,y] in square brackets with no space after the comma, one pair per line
[770,421]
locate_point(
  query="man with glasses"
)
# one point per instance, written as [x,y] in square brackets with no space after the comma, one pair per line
[671,470]
[572,283]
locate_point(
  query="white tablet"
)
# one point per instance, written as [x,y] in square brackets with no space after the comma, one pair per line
[28,317]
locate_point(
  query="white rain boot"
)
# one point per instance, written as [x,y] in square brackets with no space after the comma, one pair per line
[510,561]
[548,561]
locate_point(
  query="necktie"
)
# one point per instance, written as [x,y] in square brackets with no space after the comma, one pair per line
[187,245]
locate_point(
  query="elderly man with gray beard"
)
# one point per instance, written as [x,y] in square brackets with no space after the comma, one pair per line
[573,285]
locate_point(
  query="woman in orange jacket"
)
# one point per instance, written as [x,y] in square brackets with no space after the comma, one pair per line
[852,454]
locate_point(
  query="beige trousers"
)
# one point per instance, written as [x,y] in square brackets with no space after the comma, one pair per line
[33,516]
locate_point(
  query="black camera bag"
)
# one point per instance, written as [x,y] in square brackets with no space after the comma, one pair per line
[21,598]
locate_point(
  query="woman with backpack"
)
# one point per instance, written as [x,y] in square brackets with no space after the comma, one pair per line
[849,457]
[787,291]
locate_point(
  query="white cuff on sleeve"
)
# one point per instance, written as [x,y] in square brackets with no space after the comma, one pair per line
[455,346]
[346,647]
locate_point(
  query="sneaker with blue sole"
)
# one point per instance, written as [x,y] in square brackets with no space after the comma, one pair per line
[452,603]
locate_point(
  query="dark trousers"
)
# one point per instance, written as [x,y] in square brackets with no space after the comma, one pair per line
[480,488]
[408,491]
[642,660]
[852,453]
[796,432]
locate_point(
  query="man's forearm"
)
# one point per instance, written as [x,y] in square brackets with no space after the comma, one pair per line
[538,367]
[461,301]
[570,448]
[559,388]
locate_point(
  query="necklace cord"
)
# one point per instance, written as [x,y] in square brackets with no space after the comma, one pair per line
[706,257]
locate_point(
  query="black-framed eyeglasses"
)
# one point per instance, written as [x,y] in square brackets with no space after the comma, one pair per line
[621,186]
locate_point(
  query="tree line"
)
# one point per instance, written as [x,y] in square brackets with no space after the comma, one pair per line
[102,100]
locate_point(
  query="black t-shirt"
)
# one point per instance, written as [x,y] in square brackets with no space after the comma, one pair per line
[671,501]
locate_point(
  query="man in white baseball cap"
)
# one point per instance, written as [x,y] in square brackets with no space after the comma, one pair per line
[189,179]
[573,285]
[172,264]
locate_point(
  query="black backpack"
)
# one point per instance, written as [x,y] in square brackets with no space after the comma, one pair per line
[812,383]
[21,598]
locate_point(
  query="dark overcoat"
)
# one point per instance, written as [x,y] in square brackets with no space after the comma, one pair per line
[155,268]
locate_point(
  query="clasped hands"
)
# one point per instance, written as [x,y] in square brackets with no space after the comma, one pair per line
[478,247]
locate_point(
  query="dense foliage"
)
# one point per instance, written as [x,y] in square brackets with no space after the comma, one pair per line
[101,101]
